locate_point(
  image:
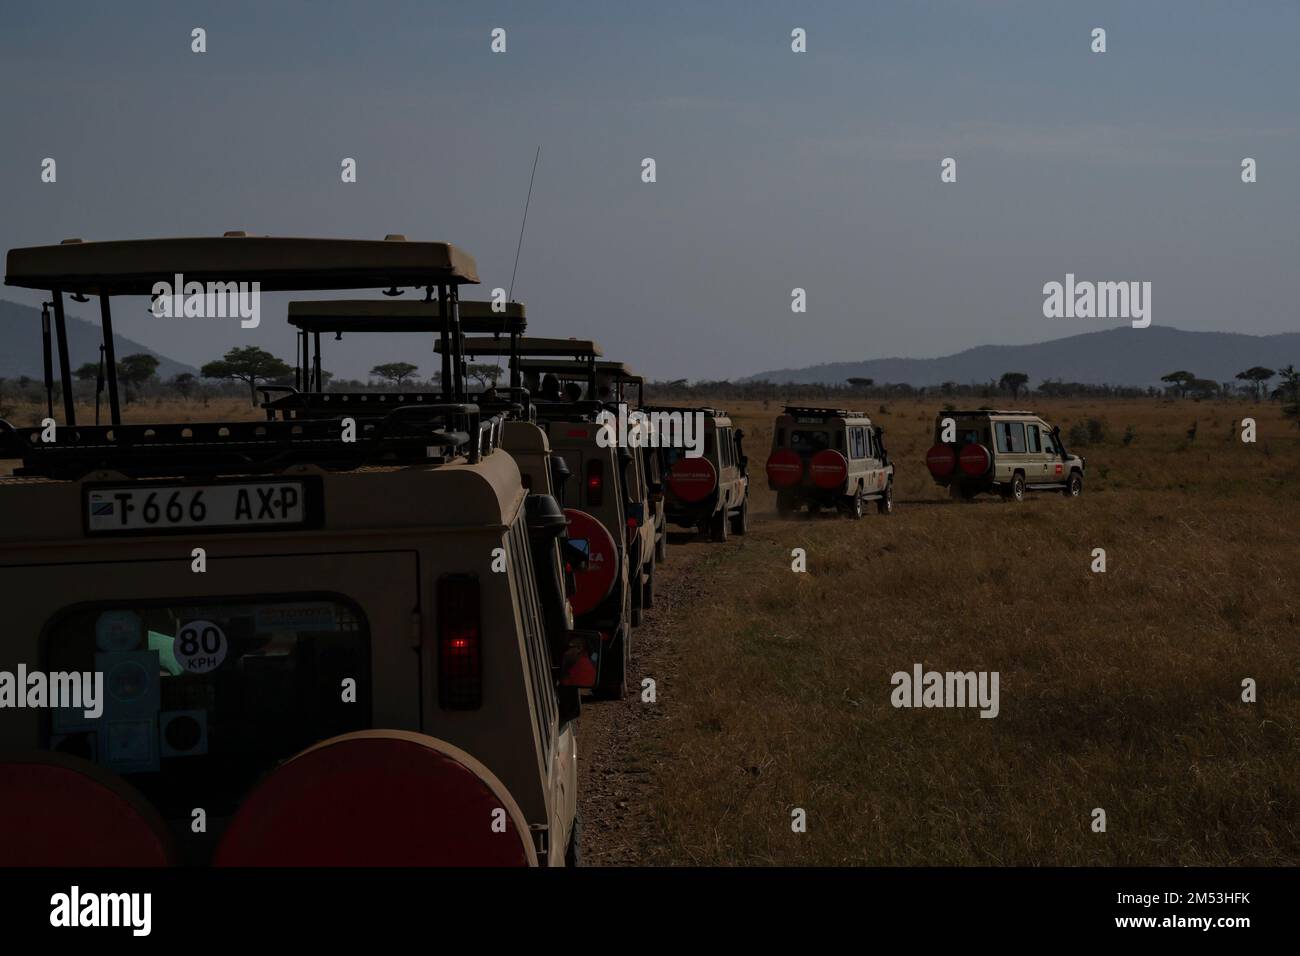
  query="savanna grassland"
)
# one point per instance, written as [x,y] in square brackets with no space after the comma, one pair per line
[1119,690]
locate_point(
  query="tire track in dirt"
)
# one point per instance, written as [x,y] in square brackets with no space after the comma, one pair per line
[621,744]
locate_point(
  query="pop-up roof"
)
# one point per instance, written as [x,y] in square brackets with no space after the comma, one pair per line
[379,315]
[132,266]
[584,349]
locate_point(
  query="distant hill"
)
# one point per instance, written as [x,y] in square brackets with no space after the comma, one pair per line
[20,345]
[1119,356]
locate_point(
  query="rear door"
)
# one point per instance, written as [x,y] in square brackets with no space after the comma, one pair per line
[211,679]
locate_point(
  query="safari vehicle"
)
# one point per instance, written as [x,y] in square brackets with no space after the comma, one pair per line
[829,458]
[711,492]
[638,470]
[334,653]
[608,594]
[1003,452]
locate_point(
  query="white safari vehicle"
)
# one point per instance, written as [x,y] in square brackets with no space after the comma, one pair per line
[329,652]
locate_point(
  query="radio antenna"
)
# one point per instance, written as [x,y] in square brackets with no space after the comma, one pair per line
[527,202]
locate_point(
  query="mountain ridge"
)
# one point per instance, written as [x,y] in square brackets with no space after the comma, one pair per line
[20,345]
[1118,356]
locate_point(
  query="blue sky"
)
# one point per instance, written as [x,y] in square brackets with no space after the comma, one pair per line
[775,170]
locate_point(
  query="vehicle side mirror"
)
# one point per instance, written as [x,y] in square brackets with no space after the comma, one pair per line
[579,667]
[635,512]
[744,462]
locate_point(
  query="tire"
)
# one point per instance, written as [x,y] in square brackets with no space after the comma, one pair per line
[1074,487]
[784,505]
[648,589]
[853,508]
[718,525]
[885,503]
[613,671]
[740,520]
[661,546]
[573,852]
[1016,491]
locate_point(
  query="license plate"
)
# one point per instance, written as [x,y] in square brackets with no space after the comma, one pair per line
[252,505]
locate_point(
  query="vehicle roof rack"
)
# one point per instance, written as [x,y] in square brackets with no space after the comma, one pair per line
[824,411]
[405,436]
[989,411]
[379,315]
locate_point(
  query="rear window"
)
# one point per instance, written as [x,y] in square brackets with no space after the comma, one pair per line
[203,696]
[808,442]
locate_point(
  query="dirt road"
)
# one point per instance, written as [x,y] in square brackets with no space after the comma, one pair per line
[623,744]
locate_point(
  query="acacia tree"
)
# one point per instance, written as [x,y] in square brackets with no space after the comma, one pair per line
[1013,382]
[485,374]
[1289,393]
[395,372]
[1179,380]
[1257,375]
[248,364]
[134,370]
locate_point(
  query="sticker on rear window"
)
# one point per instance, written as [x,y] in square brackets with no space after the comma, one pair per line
[200,647]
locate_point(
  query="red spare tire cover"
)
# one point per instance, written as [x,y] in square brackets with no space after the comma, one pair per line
[692,479]
[975,460]
[594,584]
[378,798]
[828,469]
[64,811]
[941,459]
[784,468]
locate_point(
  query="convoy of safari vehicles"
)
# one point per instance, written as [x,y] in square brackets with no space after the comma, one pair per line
[356,632]
[1001,452]
[333,650]
[829,458]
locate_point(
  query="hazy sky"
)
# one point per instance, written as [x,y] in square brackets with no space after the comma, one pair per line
[775,169]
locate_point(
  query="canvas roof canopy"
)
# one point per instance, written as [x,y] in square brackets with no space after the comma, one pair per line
[532,345]
[133,266]
[562,367]
[380,315]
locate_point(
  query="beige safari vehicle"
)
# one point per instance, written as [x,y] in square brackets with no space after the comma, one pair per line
[709,492]
[609,592]
[829,458]
[341,652]
[638,465]
[1001,452]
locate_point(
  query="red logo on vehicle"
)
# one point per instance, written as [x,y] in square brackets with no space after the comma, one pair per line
[1060,469]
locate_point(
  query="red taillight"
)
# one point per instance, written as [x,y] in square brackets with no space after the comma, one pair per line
[460,658]
[595,482]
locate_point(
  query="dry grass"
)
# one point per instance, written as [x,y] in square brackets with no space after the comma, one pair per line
[1119,690]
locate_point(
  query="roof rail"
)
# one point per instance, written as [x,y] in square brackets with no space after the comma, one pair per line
[404,436]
